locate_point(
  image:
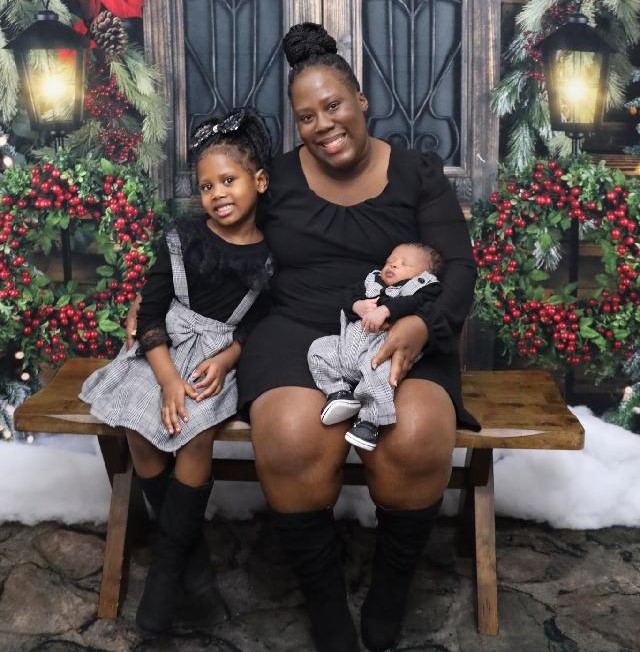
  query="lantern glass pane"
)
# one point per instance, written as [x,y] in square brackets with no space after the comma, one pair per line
[53,86]
[577,80]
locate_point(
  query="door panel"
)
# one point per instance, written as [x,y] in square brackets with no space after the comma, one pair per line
[427,67]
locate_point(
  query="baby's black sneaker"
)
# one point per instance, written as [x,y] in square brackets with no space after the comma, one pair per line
[363,434]
[339,406]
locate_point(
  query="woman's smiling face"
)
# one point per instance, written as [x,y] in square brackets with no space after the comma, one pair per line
[330,117]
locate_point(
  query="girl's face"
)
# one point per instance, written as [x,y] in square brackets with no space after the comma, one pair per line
[229,191]
[330,117]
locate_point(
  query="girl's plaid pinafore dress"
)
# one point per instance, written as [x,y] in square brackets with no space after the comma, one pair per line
[126,393]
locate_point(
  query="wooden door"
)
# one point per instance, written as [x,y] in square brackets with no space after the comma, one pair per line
[427,67]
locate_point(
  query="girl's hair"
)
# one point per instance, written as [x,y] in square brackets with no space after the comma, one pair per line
[307,45]
[241,128]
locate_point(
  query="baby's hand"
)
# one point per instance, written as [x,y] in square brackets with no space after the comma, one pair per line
[209,375]
[362,306]
[373,320]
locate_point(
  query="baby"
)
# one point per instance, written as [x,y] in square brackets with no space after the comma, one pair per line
[341,364]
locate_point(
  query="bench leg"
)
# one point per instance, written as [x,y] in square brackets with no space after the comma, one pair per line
[486,577]
[115,454]
[114,553]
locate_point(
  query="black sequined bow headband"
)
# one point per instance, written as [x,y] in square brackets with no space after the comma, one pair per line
[228,124]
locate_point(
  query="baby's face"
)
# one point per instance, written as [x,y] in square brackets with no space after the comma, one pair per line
[404,263]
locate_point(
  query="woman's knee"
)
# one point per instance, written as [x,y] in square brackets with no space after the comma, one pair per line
[288,436]
[424,434]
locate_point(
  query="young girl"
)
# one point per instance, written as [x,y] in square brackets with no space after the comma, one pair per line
[179,383]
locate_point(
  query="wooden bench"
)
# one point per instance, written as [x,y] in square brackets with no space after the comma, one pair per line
[518,409]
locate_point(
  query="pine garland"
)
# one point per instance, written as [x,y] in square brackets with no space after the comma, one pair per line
[138,81]
[521,93]
[8,83]
[134,77]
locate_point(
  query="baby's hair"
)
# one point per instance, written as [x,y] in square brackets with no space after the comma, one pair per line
[242,129]
[434,259]
[307,45]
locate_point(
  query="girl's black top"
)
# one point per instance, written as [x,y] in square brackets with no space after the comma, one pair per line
[219,273]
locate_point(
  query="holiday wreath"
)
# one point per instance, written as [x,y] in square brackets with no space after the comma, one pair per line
[110,211]
[520,236]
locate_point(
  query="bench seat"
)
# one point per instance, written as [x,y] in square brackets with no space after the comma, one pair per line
[517,409]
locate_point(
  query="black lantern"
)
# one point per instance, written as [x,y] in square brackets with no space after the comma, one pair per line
[50,57]
[576,67]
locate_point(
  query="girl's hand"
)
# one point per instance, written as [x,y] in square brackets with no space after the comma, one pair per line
[173,409]
[372,322]
[131,321]
[210,375]
[362,306]
[405,340]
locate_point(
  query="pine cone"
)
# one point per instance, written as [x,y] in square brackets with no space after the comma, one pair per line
[109,34]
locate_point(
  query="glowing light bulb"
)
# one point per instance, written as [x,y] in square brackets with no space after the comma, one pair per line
[53,87]
[4,139]
[7,161]
[576,89]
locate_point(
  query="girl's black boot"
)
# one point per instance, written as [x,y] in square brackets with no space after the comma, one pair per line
[400,538]
[198,579]
[311,543]
[180,526]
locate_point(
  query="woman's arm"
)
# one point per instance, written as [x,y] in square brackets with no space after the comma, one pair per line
[442,225]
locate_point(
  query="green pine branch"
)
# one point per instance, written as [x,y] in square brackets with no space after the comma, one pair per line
[524,99]
[138,81]
[8,82]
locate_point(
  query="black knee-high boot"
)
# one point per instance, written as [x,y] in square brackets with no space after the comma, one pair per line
[400,539]
[180,526]
[198,578]
[311,543]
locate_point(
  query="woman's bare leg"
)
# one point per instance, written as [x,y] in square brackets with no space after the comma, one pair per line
[411,465]
[407,475]
[299,463]
[299,460]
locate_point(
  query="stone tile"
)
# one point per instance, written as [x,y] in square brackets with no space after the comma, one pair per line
[36,601]
[73,554]
[559,591]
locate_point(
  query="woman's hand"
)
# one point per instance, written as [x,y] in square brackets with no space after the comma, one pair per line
[131,321]
[173,409]
[405,340]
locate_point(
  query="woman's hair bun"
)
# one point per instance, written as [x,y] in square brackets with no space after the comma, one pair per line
[306,40]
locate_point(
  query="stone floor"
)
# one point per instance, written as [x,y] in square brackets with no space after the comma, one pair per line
[559,591]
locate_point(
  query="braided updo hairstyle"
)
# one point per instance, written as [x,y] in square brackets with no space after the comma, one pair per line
[241,130]
[307,45]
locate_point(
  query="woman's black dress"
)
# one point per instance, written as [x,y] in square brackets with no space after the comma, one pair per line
[319,248]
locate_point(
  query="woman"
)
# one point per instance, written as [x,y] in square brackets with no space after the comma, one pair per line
[339,204]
